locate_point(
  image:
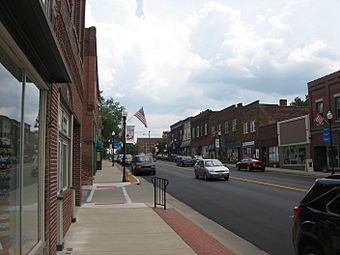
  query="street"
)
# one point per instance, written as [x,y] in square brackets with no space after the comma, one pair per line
[255,206]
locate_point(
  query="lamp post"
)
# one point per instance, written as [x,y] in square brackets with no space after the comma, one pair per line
[330,117]
[124,114]
[113,147]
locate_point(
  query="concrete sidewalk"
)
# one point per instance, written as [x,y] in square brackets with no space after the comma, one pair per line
[109,222]
[119,218]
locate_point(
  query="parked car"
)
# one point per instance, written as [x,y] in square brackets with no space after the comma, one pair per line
[316,229]
[185,161]
[211,168]
[197,158]
[251,164]
[178,158]
[142,164]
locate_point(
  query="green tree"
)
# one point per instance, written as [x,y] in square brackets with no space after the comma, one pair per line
[300,102]
[111,113]
[161,145]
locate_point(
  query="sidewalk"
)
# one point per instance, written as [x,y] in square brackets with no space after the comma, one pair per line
[119,218]
[291,171]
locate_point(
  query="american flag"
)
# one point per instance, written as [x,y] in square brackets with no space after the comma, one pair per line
[319,119]
[141,116]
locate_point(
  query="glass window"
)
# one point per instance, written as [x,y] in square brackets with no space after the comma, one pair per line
[193,132]
[198,131]
[30,207]
[205,129]
[226,128]
[273,154]
[213,130]
[334,206]
[234,126]
[10,121]
[252,126]
[245,128]
[319,107]
[294,155]
[337,105]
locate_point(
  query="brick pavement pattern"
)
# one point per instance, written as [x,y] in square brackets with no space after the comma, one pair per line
[201,242]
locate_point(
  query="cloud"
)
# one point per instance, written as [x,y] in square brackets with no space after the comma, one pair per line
[185,57]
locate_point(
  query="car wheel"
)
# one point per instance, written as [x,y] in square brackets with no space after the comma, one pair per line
[248,168]
[312,250]
[262,170]
[239,168]
[226,178]
[206,176]
[196,175]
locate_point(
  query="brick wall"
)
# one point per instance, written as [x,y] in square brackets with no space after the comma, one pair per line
[67,210]
[76,163]
[51,170]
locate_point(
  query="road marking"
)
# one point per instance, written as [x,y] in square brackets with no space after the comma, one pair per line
[268,184]
[126,195]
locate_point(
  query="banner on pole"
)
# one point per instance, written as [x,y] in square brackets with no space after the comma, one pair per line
[130,134]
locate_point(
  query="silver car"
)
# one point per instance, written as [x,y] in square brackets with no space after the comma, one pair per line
[211,168]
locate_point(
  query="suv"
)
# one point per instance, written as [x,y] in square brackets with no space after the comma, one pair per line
[316,227]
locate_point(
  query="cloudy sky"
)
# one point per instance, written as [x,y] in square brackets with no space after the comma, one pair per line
[179,57]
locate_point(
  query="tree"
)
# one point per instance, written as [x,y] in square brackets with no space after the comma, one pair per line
[161,145]
[111,113]
[299,102]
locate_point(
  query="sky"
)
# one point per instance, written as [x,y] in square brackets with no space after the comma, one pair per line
[177,58]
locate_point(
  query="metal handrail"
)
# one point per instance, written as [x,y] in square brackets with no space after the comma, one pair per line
[159,191]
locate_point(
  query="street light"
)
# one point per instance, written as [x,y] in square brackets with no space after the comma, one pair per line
[124,114]
[330,117]
[113,147]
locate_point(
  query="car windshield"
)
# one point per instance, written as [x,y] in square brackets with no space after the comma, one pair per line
[144,159]
[213,162]
[186,157]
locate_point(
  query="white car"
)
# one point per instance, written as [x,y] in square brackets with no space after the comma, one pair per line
[211,169]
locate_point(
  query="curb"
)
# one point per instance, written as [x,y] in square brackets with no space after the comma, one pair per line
[137,180]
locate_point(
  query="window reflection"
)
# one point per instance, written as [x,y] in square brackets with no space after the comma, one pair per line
[10,114]
[31,168]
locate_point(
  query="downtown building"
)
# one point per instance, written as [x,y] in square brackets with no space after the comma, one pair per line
[233,133]
[44,82]
[324,97]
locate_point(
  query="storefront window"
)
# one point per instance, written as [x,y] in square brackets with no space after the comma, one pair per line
[273,154]
[30,207]
[10,119]
[294,155]
[19,163]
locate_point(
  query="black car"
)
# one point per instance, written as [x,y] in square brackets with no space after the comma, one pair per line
[143,164]
[316,229]
[185,161]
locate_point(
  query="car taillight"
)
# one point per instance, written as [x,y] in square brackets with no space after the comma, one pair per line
[296,213]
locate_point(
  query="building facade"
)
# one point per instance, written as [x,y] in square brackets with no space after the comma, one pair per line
[91,122]
[176,136]
[324,97]
[147,145]
[41,122]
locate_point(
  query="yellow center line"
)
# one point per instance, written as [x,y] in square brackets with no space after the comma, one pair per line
[268,184]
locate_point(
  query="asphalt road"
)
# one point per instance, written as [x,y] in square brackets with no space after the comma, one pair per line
[255,206]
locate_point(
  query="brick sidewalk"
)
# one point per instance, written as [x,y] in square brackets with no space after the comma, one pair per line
[201,242]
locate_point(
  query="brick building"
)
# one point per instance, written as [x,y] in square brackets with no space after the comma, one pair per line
[232,133]
[42,83]
[91,123]
[324,96]
[147,145]
[201,142]
[176,135]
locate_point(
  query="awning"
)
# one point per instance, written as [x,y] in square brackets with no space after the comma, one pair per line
[27,23]
[186,144]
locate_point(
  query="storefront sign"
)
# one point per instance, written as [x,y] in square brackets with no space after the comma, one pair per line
[250,143]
